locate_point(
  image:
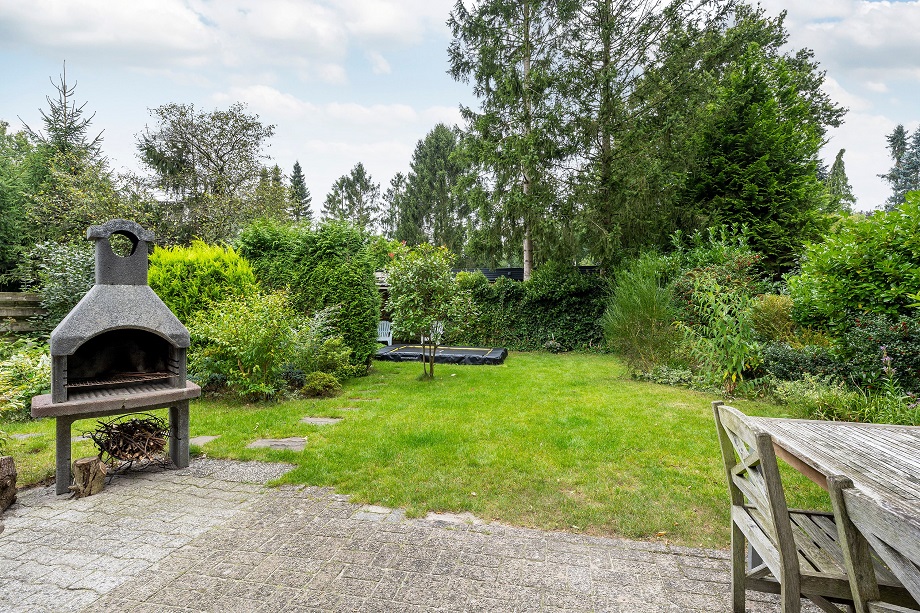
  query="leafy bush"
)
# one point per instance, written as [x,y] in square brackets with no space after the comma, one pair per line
[62,274]
[253,344]
[859,351]
[322,267]
[639,321]
[788,363]
[320,385]
[189,279]
[868,265]
[771,316]
[828,398]
[666,375]
[721,341]
[25,371]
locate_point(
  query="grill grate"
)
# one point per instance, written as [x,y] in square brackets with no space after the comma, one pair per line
[123,378]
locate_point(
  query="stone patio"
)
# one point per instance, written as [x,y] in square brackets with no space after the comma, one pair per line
[212,538]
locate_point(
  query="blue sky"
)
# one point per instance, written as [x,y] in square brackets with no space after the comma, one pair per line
[363,80]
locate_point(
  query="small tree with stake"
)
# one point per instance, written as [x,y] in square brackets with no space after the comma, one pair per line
[423,294]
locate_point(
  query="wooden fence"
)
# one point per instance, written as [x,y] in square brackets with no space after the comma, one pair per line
[15,310]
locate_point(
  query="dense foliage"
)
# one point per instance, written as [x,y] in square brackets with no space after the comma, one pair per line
[189,279]
[25,371]
[258,346]
[62,273]
[558,303]
[867,265]
[322,267]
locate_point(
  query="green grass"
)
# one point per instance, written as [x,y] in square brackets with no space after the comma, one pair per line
[560,442]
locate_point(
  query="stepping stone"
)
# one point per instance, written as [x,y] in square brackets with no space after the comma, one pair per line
[321,421]
[202,440]
[77,439]
[22,437]
[295,443]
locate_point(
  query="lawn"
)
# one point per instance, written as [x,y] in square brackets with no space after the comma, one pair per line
[559,442]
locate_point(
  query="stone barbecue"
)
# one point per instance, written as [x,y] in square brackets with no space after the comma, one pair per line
[120,350]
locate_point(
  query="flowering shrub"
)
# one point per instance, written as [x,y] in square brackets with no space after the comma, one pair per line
[25,371]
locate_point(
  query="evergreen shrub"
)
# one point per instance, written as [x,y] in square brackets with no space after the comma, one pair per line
[868,265]
[558,303]
[189,279]
[320,385]
[321,267]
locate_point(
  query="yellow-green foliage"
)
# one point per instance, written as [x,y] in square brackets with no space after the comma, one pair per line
[771,316]
[189,279]
[25,371]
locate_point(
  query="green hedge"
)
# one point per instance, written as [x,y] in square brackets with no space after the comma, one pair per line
[190,279]
[321,267]
[557,303]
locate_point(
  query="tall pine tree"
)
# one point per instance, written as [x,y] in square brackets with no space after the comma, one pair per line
[896,177]
[354,198]
[300,196]
[509,49]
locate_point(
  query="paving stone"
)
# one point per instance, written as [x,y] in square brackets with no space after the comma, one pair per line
[207,538]
[294,443]
[202,440]
[321,421]
[24,436]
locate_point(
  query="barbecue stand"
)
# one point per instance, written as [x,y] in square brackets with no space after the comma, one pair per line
[120,350]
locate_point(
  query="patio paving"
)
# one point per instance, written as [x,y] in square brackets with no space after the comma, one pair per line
[212,538]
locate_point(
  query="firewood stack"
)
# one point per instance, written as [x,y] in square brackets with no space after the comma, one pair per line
[131,440]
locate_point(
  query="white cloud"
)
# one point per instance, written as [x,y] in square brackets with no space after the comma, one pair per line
[840,95]
[876,86]
[379,64]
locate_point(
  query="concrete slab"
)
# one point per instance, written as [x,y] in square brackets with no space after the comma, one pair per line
[294,443]
[321,421]
[22,437]
[202,440]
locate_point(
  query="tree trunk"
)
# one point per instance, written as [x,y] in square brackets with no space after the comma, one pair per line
[88,477]
[7,482]
[528,238]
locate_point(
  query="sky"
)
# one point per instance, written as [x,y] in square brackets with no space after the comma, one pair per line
[345,81]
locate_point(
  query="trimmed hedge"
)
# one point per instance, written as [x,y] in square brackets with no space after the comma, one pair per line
[326,266]
[190,279]
[558,303]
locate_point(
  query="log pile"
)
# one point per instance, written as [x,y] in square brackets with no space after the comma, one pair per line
[131,440]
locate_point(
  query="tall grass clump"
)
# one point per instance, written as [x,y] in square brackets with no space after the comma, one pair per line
[639,320]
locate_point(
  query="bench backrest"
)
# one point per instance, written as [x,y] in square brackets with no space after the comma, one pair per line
[759,506]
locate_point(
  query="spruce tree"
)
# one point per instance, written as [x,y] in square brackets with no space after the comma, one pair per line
[911,164]
[897,147]
[839,190]
[300,196]
[354,198]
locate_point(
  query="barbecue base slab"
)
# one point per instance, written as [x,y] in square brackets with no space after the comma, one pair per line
[128,400]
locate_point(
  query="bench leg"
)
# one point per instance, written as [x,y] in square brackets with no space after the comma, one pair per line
[178,434]
[62,455]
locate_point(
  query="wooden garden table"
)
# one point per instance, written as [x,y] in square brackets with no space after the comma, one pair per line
[882,460]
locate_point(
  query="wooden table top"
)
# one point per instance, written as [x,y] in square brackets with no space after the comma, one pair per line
[882,460]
